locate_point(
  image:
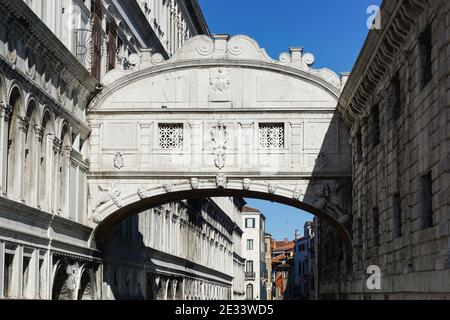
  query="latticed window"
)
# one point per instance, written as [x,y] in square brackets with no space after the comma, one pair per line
[171,136]
[271,135]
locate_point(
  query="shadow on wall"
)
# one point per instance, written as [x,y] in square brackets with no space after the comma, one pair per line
[129,268]
[334,258]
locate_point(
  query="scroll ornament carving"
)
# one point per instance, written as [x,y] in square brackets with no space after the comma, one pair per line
[105,195]
[219,136]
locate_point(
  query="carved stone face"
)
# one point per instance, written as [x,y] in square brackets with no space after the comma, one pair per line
[221,181]
[272,188]
[297,194]
[167,187]
[246,184]
[194,183]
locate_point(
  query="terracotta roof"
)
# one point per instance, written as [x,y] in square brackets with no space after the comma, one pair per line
[287,247]
[279,258]
[283,245]
[249,209]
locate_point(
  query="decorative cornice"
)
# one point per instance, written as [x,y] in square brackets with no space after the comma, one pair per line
[380,48]
[28,26]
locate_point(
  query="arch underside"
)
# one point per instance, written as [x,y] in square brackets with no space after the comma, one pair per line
[314,199]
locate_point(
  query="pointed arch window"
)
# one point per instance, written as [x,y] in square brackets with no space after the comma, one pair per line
[12,146]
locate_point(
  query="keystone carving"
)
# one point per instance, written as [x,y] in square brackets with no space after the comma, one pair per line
[194,183]
[246,184]
[272,188]
[168,187]
[221,181]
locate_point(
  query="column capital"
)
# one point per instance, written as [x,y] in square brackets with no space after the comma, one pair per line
[24,123]
[57,144]
[5,111]
[39,131]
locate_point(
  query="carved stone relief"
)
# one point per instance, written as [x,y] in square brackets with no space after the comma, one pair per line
[219,136]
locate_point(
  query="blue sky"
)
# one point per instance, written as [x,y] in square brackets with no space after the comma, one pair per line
[333,30]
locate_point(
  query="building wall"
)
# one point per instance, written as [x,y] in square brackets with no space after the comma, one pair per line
[400,142]
[268,264]
[303,266]
[176,244]
[46,83]
[256,255]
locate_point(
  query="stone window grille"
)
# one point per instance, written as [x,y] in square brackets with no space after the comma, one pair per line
[376,226]
[426,201]
[271,135]
[170,136]
[426,48]
[397,216]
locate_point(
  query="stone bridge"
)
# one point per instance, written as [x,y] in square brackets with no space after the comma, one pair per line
[220,118]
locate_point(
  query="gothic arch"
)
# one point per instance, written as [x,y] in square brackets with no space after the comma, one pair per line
[15,101]
[45,158]
[60,290]
[63,170]
[30,166]
[87,286]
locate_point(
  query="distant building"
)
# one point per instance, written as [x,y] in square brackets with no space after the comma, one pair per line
[304,263]
[268,259]
[253,252]
[282,260]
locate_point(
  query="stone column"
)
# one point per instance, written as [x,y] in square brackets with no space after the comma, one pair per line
[24,124]
[55,159]
[67,154]
[173,292]
[5,114]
